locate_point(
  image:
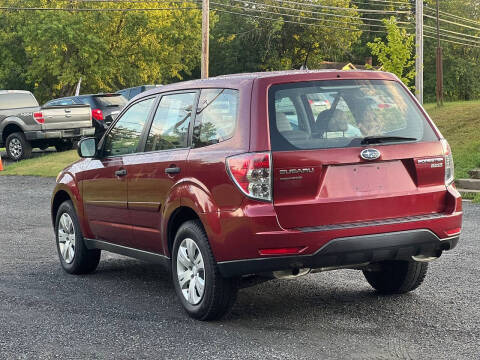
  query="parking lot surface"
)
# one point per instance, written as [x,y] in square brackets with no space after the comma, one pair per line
[128,308]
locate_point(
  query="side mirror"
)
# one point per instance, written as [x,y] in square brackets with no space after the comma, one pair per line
[87,147]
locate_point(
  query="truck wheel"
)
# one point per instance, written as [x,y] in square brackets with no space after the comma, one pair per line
[203,292]
[18,147]
[397,277]
[64,146]
[74,256]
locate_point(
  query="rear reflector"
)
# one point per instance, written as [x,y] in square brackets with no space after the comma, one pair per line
[453,232]
[38,116]
[282,251]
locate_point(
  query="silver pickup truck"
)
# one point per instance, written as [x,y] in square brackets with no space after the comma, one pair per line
[25,125]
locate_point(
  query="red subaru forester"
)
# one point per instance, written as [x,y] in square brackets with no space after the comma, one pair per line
[265,175]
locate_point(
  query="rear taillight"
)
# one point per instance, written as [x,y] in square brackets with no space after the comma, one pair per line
[449,168]
[97,114]
[38,116]
[251,172]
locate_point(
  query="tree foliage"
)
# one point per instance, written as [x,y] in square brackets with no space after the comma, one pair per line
[395,55]
[48,51]
[244,43]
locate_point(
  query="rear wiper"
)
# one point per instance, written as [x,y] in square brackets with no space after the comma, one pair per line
[382,139]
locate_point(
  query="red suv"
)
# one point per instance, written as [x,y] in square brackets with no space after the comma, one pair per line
[242,176]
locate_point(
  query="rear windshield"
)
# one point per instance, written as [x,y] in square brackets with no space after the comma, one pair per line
[110,100]
[342,113]
[17,100]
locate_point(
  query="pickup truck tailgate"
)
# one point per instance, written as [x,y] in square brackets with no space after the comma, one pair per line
[67,117]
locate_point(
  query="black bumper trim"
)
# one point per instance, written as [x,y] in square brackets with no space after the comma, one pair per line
[372,223]
[400,245]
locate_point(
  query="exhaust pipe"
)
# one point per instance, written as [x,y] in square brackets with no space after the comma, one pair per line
[290,274]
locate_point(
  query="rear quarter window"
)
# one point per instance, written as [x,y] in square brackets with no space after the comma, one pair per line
[17,100]
[216,117]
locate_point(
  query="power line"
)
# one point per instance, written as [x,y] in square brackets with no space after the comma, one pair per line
[451,36]
[454,16]
[290,15]
[451,22]
[3,8]
[452,32]
[294,22]
[314,12]
[339,8]
[451,41]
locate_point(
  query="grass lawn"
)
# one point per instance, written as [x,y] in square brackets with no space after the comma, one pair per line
[47,165]
[459,122]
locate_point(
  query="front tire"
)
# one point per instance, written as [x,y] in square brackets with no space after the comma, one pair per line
[74,256]
[397,277]
[18,147]
[203,292]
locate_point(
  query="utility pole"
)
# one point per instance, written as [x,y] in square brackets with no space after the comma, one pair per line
[439,63]
[205,37]
[419,50]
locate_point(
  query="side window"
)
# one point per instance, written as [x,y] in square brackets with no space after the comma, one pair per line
[170,125]
[125,135]
[135,91]
[286,114]
[216,116]
[66,102]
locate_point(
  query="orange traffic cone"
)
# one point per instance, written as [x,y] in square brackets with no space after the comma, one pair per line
[1,165]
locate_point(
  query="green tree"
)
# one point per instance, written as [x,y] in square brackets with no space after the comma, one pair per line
[48,51]
[396,54]
[245,43]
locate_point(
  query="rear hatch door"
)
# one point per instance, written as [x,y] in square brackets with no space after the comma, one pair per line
[111,105]
[320,175]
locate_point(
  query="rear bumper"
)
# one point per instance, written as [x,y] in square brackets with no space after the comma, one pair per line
[346,251]
[59,134]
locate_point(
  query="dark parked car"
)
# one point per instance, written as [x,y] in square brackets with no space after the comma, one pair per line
[130,93]
[234,177]
[105,107]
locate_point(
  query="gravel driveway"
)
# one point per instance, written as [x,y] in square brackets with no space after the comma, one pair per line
[128,309]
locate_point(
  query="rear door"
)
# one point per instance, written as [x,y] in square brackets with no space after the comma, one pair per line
[105,181]
[321,177]
[153,174]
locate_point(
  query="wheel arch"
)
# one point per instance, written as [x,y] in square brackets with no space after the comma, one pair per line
[9,129]
[60,197]
[179,216]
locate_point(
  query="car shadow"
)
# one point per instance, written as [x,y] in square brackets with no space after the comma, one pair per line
[142,286]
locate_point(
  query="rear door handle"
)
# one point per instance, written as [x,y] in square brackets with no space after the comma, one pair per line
[172,170]
[121,172]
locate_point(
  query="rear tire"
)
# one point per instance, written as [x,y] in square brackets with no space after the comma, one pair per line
[196,267]
[397,277]
[18,147]
[74,256]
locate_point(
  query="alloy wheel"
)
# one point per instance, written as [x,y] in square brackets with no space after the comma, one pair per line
[15,148]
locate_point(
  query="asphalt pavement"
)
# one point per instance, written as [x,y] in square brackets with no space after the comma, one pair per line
[127,309]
